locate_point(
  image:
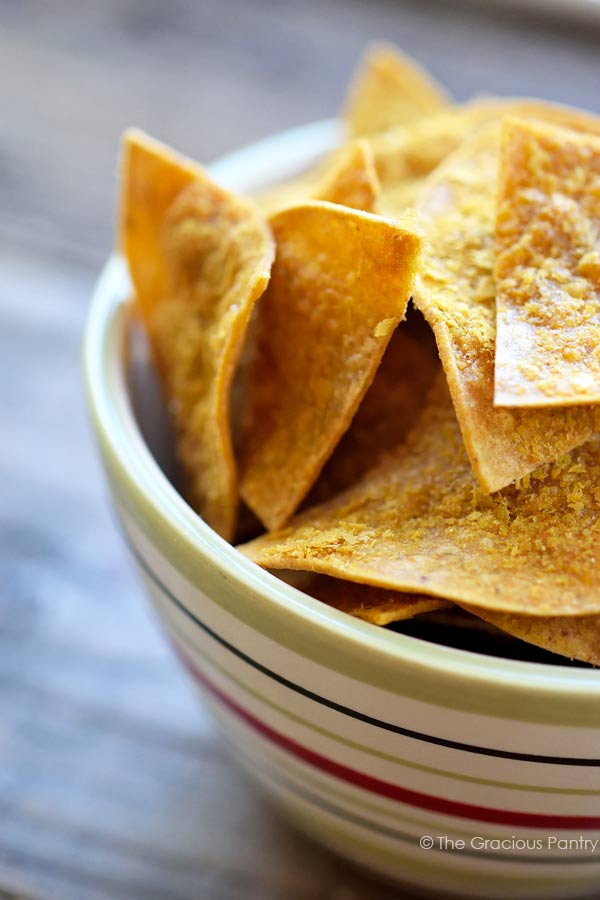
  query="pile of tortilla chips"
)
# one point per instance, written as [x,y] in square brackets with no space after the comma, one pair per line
[386,372]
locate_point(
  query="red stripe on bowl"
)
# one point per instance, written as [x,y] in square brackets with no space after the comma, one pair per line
[385,788]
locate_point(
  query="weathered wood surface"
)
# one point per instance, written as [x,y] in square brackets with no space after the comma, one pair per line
[113,783]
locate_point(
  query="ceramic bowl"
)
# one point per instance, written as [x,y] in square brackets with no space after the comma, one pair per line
[446,769]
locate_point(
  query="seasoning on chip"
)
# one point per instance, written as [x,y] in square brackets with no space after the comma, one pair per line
[456,292]
[199,259]
[338,275]
[548,267]
[353,180]
[390,89]
[421,524]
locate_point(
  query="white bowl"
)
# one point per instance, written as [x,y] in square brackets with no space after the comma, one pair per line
[427,764]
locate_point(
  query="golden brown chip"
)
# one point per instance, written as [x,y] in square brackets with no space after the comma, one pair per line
[199,259]
[352,180]
[347,176]
[577,637]
[420,523]
[371,604]
[388,411]
[152,177]
[340,285]
[389,89]
[456,292]
[293,191]
[548,267]
[405,155]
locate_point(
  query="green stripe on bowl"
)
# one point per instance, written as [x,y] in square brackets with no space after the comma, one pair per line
[193,649]
[315,825]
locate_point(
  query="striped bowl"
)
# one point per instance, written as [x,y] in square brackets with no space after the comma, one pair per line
[451,771]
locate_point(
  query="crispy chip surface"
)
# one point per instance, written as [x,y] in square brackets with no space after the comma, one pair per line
[388,410]
[548,267]
[389,89]
[199,259]
[420,523]
[456,292]
[340,284]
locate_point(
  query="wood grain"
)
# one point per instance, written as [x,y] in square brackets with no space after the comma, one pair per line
[113,781]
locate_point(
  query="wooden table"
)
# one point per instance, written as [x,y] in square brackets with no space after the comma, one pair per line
[113,782]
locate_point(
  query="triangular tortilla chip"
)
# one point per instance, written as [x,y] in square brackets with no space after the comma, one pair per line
[389,89]
[577,637]
[340,285]
[548,267]
[456,292]
[199,258]
[371,604]
[347,176]
[353,179]
[421,524]
[295,190]
[388,411]
[152,176]
[405,155]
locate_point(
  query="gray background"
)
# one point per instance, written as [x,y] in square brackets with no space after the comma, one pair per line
[113,783]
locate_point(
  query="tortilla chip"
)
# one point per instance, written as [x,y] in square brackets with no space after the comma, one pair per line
[353,179]
[459,619]
[293,191]
[389,89]
[406,155]
[388,411]
[199,259]
[152,177]
[456,292]
[340,284]
[548,267]
[347,176]
[421,524]
[371,604]
[577,637]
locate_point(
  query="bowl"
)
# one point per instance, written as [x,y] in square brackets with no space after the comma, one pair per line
[445,769]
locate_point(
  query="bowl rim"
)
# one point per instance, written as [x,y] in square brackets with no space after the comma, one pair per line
[104,364]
